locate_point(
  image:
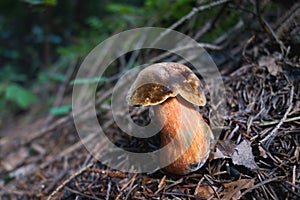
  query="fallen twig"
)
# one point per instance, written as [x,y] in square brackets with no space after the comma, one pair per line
[260,184]
[82,194]
[190,15]
[276,121]
[82,170]
[185,48]
[108,189]
[56,180]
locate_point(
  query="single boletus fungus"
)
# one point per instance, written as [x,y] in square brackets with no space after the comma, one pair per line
[173,90]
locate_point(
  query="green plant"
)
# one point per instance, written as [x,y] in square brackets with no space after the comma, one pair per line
[14,97]
[19,95]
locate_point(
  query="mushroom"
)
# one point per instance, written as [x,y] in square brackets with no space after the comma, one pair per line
[173,90]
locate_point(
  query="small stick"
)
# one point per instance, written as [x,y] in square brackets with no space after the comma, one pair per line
[190,15]
[210,183]
[56,180]
[108,189]
[277,121]
[294,186]
[132,179]
[209,25]
[111,174]
[185,48]
[161,184]
[178,194]
[82,194]
[174,184]
[82,170]
[259,185]
[198,185]
[195,11]
[129,192]
[294,177]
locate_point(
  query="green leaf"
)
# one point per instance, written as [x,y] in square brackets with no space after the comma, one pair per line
[44,2]
[50,2]
[9,72]
[95,23]
[121,8]
[2,89]
[42,77]
[170,181]
[34,2]
[19,95]
[61,110]
[58,77]
[88,80]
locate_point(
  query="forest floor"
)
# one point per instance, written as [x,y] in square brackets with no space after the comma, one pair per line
[46,158]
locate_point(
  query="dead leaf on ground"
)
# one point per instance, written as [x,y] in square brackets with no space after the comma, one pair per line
[243,155]
[270,63]
[262,152]
[224,149]
[233,189]
[205,191]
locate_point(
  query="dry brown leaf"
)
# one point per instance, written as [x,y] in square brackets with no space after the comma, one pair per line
[243,155]
[224,149]
[262,152]
[269,62]
[205,191]
[233,189]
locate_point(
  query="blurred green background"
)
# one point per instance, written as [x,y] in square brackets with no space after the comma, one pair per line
[40,38]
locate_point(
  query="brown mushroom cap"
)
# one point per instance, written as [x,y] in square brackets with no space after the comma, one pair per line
[156,83]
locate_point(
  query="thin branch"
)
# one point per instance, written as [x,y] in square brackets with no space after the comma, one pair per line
[193,12]
[82,194]
[184,48]
[277,121]
[259,185]
[82,170]
[210,24]
[108,189]
[56,180]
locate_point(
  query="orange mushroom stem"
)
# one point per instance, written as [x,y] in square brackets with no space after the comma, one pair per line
[173,90]
[181,119]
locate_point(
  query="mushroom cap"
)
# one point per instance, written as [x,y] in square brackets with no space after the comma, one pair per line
[157,82]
